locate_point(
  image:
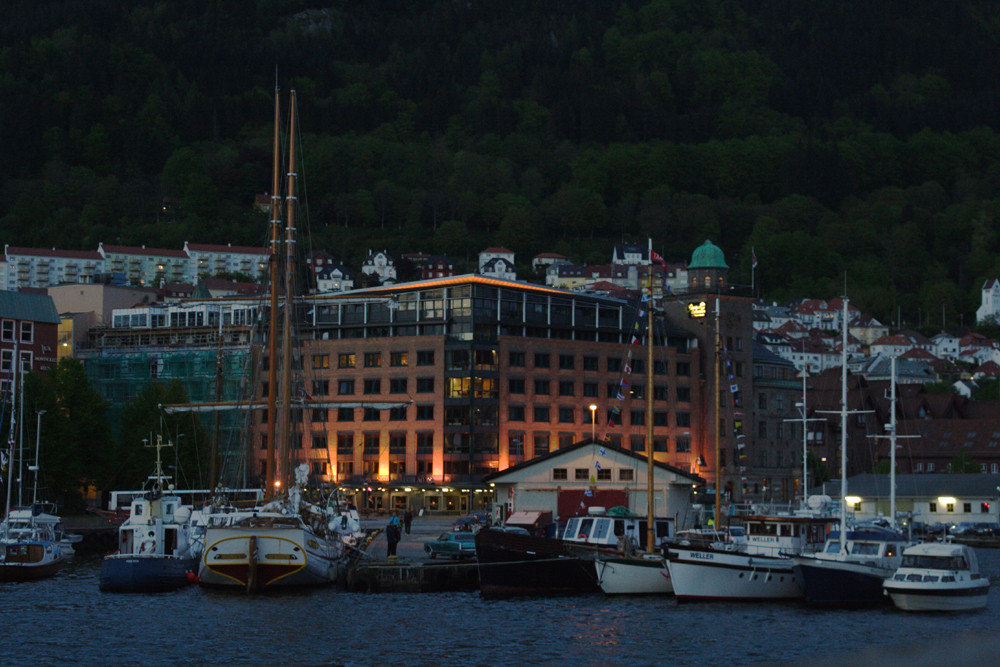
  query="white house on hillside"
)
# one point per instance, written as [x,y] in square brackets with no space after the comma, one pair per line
[495,253]
[990,301]
[380,264]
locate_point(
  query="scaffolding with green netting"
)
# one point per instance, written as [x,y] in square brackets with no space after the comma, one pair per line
[121,377]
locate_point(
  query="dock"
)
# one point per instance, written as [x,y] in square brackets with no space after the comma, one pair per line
[410,570]
[100,536]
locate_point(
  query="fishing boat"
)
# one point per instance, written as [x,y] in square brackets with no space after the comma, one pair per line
[516,563]
[290,540]
[159,544]
[30,538]
[938,576]
[629,572]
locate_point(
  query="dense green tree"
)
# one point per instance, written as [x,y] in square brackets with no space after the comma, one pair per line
[75,448]
[963,463]
[141,423]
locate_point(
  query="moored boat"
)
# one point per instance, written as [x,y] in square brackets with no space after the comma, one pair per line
[159,544]
[30,545]
[514,563]
[938,576]
[29,537]
[760,570]
[289,541]
[852,575]
[267,548]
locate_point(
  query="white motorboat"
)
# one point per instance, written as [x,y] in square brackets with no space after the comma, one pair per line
[938,576]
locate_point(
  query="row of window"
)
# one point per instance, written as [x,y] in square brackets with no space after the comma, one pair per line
[425,385]
[459,415]
[486,387]
[464,359]
[485,443]
[591,389]
[588,474]
[373,359]
[8,329]
[984,508]
[592,363]
[920,467]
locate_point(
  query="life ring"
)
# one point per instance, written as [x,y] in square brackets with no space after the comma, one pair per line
[582,536]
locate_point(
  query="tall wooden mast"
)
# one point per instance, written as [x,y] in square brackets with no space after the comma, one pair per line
[273,263]
[285,433]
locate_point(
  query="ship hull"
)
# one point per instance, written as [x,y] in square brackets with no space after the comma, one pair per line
[512,564]
[130,573]
[707,574]
[265,558]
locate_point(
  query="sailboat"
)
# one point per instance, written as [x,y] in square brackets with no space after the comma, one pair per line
[288,541]
[29,537]
[629,572]
[854,563]
[159,544]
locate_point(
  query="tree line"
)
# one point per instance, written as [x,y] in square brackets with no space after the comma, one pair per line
[841,141]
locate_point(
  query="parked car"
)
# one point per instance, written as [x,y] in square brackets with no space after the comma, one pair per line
[467,524]
[962,528]
[452,545]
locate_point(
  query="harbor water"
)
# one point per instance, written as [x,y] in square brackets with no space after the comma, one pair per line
[67,620]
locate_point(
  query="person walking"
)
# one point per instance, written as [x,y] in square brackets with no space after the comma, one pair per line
[407,520]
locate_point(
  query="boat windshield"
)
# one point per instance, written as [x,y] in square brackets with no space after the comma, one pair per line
[936,562]
[865,548]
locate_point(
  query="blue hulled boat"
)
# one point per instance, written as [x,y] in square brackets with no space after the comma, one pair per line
[159,545]
[850,572]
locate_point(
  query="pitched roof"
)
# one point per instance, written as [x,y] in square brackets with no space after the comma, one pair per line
[871,485]
[607,446]
[143,250]
[228,248]
[45,252]
[28,307]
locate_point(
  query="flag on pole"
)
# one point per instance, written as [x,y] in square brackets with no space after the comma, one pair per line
[753,258]
[655,256]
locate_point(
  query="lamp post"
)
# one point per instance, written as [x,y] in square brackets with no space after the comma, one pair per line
[593,421]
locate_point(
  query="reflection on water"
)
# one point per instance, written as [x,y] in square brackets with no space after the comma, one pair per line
[68,620]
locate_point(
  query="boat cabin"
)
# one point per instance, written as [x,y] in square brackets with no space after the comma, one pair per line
[777,535]
[157,525]
[605,528]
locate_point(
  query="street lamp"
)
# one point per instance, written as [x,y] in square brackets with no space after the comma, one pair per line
[593,421]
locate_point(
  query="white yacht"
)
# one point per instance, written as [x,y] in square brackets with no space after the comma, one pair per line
[938,576]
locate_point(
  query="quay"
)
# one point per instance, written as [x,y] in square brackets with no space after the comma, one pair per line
[410,570]
[100,535]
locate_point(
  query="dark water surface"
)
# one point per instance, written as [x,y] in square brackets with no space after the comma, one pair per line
[67,620]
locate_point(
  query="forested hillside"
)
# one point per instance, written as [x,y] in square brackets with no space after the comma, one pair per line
[837,138]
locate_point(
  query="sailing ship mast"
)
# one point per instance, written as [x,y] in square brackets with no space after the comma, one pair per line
[272,346]
[285,426]
[650,519]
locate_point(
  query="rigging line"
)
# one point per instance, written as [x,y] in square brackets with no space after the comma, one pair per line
[628,357]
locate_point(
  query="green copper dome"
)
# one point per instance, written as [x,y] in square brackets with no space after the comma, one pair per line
[708,256]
